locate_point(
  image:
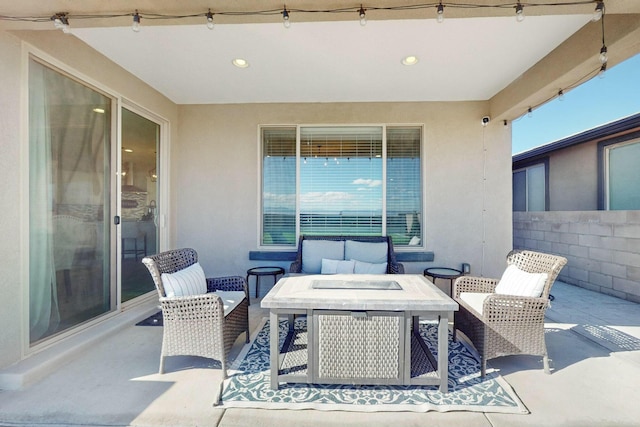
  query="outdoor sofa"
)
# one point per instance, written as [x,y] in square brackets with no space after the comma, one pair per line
[346,254]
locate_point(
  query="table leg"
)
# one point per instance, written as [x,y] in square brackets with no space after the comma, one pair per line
[274,349]
[443,351]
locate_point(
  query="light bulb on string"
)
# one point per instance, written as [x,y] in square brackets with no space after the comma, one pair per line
[440,13]
[597,14]
[529,112]
[136,22]
[560,95]
[603,55]
[210,24]
[363,16]
[519,12]
[285,18]
[602,71]
[61,22]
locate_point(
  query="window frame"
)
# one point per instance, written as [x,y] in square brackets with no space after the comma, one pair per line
[525,166]
[384,126]
[604,148]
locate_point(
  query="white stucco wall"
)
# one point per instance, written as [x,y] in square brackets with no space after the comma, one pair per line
[11,285]
[218,177]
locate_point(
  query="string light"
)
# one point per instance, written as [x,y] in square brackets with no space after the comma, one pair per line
[529,112]
[603,50]
[210,20]
[597,14]
[363,16]
[440,13]
[603,54]
[61,22]
[285,18]
[599,11]
[602,71]
[136,22]
[561,95]
[519,12]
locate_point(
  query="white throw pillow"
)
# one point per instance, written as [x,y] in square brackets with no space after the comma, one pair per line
[362,267]
[314,250]
[335,266]
[415,241]
[521,283]
[373,252]
[189,281]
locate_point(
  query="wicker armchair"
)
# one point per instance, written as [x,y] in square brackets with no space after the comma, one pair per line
[508,324]
[196,325]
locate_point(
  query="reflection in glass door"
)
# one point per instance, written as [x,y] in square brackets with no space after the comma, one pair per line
[139,206]
[69,202]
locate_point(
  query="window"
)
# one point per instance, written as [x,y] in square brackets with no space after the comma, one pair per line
[623,175]
[341,180]
[530,188]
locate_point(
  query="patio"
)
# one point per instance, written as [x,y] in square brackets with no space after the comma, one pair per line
[593,340]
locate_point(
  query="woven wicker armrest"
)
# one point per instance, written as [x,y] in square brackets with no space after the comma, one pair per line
[514,308]
[296,267]
[474,284]
[193,307]
[228,283]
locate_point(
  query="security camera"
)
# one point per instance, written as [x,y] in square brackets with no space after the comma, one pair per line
[486,120]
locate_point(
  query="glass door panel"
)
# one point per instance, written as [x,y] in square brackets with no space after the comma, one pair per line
[139,225]
[69,202]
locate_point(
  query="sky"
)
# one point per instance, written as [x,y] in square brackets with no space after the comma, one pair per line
[595,102]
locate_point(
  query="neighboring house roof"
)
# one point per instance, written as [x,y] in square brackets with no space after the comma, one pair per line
[600,132]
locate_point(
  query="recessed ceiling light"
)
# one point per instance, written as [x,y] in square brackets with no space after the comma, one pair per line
[240,63]
[410,60]
[98,110]
[127,150]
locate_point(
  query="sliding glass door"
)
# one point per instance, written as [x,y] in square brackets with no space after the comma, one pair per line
[70,210]
[139,202]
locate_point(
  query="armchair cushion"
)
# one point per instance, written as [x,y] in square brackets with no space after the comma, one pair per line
[474,300]
[371,252]
[314,250]
[335,266]
[362,267]
[185,282]
[521,283]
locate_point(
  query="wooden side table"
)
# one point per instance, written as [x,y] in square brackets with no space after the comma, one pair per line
[264,271]
[443,273]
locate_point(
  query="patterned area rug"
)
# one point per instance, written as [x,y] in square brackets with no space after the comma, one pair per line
[248,385]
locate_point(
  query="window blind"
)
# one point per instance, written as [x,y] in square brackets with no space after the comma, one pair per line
[404,185]
[341,180]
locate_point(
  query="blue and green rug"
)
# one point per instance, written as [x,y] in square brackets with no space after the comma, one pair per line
[248,385]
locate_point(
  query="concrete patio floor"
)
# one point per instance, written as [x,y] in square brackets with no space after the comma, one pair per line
[593,339]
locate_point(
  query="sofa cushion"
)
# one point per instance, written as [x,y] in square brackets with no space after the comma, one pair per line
[188,281]
[362,267]
[334,266]
[372,252]
[521,283]
[314,250]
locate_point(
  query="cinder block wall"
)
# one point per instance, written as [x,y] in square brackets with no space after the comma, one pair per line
[603,247]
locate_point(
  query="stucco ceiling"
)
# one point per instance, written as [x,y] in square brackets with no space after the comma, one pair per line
[339,61]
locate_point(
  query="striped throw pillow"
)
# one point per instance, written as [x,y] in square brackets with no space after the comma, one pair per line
[189,281]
